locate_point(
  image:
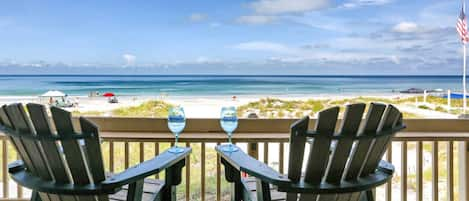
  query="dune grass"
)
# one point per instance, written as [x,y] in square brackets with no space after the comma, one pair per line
[153,108]
[278,108]
[436,104]
[87,113]
[434,100]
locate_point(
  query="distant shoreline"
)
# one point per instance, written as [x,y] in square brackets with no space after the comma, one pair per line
[214,75]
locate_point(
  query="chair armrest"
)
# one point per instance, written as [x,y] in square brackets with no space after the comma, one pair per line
[147,168]
[386,167]
[16,166]
[382,175]
[245,163]
[18,173]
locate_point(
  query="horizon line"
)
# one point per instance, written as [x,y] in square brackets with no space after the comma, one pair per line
[230,75]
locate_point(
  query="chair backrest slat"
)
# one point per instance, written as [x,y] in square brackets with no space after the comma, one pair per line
[373,117]
[20,121]
[42,125]
[71,148]
[351,122]
[5,120]
[1,122]
[319,152]
[376,152]
[297,148]
[93,150]
[17,142]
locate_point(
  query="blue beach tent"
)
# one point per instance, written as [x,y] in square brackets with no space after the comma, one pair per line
[455,96]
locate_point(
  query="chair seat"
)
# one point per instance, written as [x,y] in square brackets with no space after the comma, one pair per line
[151,188]
[250,185]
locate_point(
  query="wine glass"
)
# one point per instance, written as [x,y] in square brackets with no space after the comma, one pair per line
[176,123]
[229,122]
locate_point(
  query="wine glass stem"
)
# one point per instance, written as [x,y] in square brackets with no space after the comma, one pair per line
[229,138]
[176,142]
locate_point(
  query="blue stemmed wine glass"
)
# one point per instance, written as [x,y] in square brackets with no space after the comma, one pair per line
[176,123]
[229,123]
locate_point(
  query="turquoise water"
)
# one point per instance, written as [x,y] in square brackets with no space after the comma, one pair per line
[203,85]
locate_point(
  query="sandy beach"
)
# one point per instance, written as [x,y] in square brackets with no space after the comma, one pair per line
[208,106]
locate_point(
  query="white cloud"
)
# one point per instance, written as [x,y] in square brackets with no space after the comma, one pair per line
[256,19]
[439,14]
[359,50]
[288,6]
[320,21]
[202,59]
[269,11]
[263,46]
[360,3]
[129,59]
[406,27]
[289,54]
[395,59]
[197,17]
[215,24]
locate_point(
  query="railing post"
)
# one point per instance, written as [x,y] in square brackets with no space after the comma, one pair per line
[419,174]
[218,175]
[464,171]
[6,188]
[253,149]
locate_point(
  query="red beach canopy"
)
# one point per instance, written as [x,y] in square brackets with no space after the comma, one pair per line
[108,94]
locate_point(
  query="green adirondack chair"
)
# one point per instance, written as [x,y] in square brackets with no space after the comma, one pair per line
[68,165]
[342,166]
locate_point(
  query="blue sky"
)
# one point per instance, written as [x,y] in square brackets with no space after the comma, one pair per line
[230,37]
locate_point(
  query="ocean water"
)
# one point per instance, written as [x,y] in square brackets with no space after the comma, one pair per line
[212,85]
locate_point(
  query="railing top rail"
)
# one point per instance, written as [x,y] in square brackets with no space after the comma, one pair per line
[260,137]
[260,130]
[205,125]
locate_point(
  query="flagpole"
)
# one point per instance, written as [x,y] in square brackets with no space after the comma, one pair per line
[464,79]
[464,68]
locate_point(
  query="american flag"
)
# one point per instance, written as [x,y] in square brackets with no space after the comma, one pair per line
[462,27]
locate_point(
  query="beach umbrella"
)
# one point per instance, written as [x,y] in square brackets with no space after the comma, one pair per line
[53,93]
[108,94]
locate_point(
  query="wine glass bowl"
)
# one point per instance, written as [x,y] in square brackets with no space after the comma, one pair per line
[176,124]
[229,123]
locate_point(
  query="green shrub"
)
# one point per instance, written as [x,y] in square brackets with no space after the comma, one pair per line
[147,109]
[424,107]
[440,109]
